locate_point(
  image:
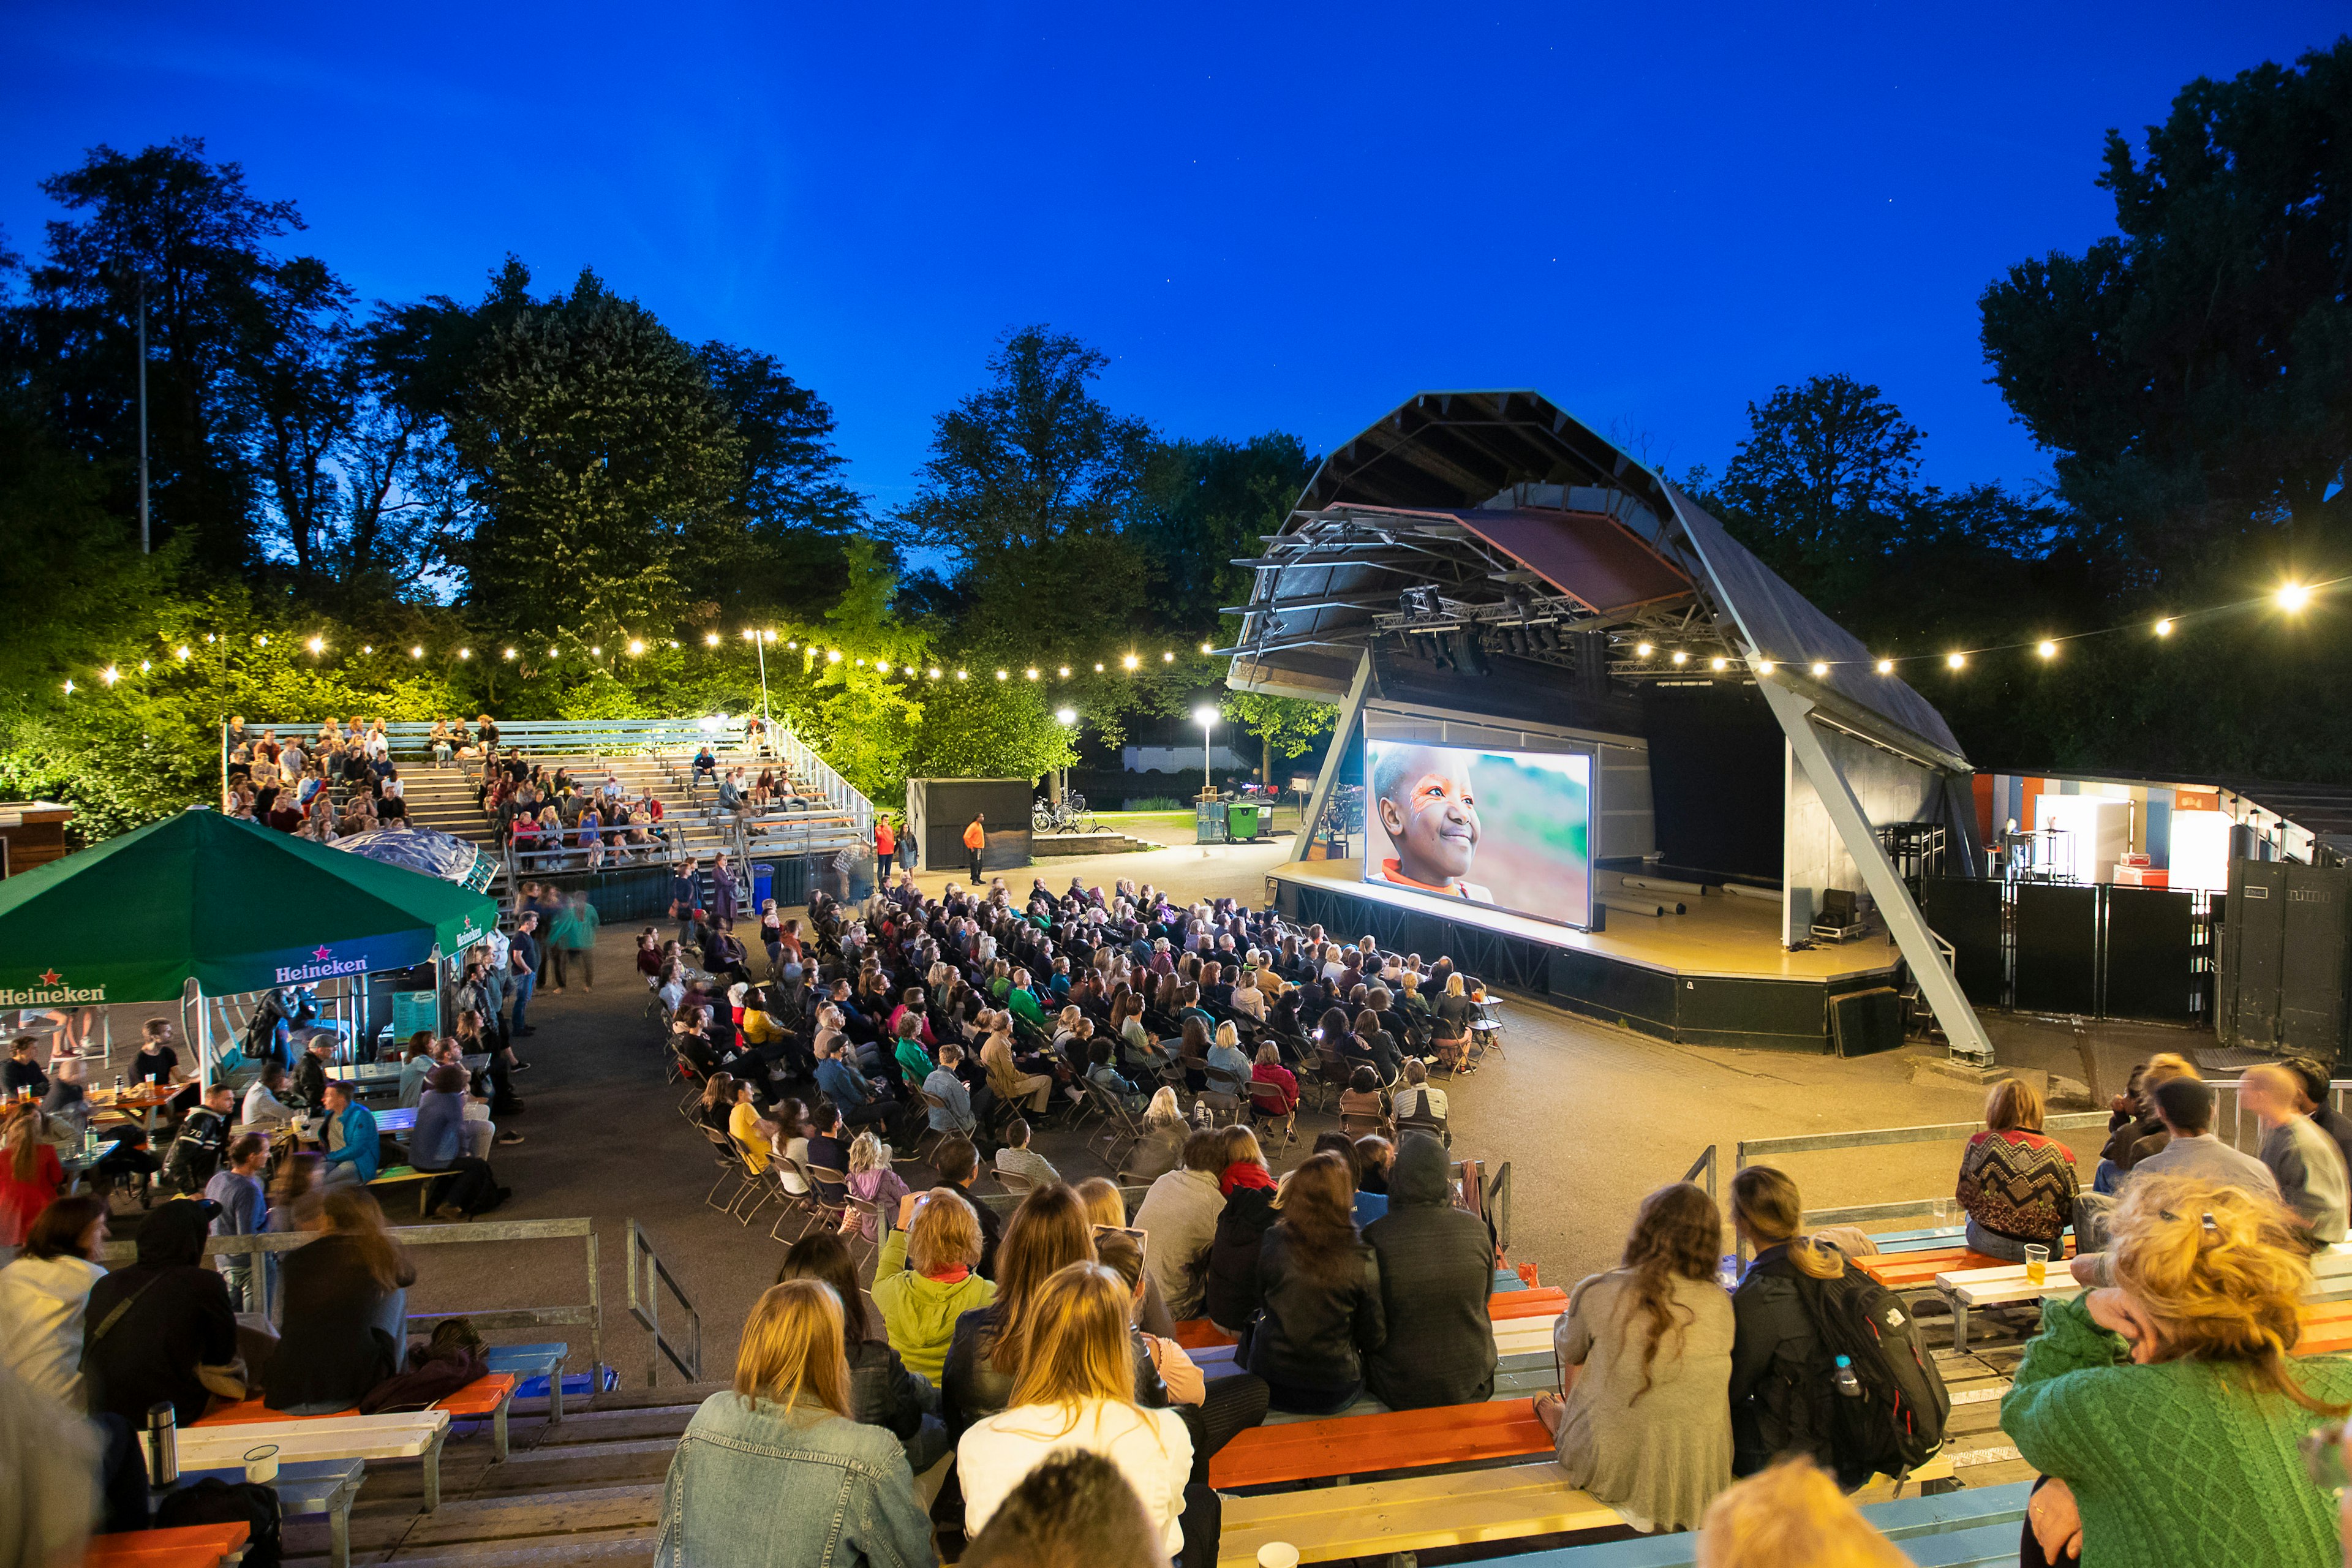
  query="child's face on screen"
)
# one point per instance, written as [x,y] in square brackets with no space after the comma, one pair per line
[1432,819]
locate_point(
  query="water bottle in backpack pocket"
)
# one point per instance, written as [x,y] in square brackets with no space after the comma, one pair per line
[1879,1402]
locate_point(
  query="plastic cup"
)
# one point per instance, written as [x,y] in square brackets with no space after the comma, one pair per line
[261,1464]
[2037,1265]
[1278,1554]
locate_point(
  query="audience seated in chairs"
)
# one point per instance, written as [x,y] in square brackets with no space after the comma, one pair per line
[1050,1229]
[956,1162]
[924,1278]
[1361,1107]
[1643,1422]
[1418,1102]
[873,1183]
[780,1461]
[1017,1160]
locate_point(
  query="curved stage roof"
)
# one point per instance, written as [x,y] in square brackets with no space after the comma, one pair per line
[1495,518]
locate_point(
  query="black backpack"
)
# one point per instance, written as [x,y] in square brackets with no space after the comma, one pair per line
[1896,1423]
[212,1500]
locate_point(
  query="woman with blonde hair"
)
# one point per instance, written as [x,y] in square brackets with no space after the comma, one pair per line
[776,1464]
[1777,1361]
[1076,1390]
[2165,1407]
[2017,1186]
[924,1279]
[1789,1514]
[1450,1024]
[1646,1350]
[1161,1147]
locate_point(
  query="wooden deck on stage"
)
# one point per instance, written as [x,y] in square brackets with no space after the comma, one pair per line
[1720,938]
[1714,975]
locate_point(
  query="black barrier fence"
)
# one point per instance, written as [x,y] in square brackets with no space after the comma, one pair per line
[2101,952]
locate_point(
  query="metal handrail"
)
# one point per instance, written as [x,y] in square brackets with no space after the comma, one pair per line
[590,1313]
[1705,1163]
[646,1306]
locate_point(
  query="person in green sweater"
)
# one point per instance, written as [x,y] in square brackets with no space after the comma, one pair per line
[2163,1408]
[923,1280]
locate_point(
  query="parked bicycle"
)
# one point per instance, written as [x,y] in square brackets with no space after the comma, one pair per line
[1069,815]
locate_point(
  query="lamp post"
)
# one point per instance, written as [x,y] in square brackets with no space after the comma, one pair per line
[1205,717]
[759,646]
[1067,717]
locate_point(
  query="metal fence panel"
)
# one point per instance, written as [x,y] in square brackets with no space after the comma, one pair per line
[2057,931]
[1970,913]
[2152,951]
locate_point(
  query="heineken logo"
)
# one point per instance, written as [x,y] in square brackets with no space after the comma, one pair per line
[324,965]
[469,934]
[51,992]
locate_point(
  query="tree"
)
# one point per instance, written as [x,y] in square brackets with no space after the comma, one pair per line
[2193,372]
[794,510]
[1027,484]
[1827,468]
[1201,506]
[601,465]
[989,728]
[1284,724]
[170,227]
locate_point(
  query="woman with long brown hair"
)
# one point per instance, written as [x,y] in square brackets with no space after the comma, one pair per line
[775,1464]
[1076,1390]
[346,1309]
[1644,1349]
[1048,1232]
[1777,1362]
[1322,1309]
[2165,1406]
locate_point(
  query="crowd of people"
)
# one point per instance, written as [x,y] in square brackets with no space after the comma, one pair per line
[339,782]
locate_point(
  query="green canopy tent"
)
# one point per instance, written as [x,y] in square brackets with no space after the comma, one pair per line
[202,905]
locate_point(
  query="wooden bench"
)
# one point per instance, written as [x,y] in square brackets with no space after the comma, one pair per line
[2005,1285]
[222,1438]
[1415,1513]
[1515,1377]
[1503,1306]
[1947,1529]
[183,1546]
[305,1486]
[401,1175]
[1377,1444]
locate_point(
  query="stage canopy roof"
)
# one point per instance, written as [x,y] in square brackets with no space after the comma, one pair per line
[1494,516]
[236,906]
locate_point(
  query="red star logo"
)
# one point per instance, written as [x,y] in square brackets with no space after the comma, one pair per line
[51,977]
[322,954]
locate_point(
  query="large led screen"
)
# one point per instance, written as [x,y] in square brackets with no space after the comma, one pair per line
[1502,830]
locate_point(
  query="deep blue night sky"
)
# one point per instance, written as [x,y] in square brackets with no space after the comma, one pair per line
[1271,217]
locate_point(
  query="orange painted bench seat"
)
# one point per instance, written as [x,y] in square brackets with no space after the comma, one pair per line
[480,1397]
[1379,1443]
[185,1546]
[1917,1270]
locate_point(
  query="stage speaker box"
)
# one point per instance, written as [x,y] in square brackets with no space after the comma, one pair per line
[1864,1023]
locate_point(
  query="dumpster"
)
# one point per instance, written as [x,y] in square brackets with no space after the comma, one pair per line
[1209,822]
[1241,822]
[763,879]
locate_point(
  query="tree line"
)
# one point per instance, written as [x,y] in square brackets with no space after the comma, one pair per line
[551,468]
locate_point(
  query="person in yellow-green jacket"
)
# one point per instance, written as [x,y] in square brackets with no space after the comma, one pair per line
[924,1278]
[2165,1409]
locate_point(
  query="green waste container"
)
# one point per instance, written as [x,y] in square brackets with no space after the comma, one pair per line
[1241,822]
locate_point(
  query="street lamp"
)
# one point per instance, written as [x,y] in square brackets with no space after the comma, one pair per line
[1204,716]
[1067,715]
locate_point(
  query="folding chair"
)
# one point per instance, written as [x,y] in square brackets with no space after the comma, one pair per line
[830,1211]
[1360,1125]
[1330,1078]
[1012,1182]
[856,1238]
[1432,1125]
[802,1204]
[1223,1095]
[1267,1108]
[730,1168]
[1120,1130]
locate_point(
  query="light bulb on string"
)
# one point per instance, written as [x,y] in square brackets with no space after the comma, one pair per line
[750,635]
[69,688]
[364,648]
[933,673]
[2046,649]
[963,675]
[317,645]
[1130,662]
[1167,659]
[1002,675]
[182,651]
[209,637]
[144,666]
[1764,666]
[263,640]
[417,652]
[109,675]
[1206,647]
[508,654]
[1955,660]
[2292,596]
[637,647]
[1885,667]
[1681,657]
[464,653]
[596,652]
[710,639]
[833,656]
[1820,669]
[1064,670]
[1032,673]
[1718,663]
[1643,650]
[1067,715]
[2164,628]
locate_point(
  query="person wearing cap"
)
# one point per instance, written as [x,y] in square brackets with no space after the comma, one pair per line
[2185,1106]
[150,1326]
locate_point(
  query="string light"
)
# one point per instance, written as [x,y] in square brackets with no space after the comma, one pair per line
[1067,715]
[1718,663]
[673,642]
[1065,671]
[1206,647]
[861,664]
[767,637]
[209,637]
[1955,660]
[934,673]
[417,652]
[2164,628]
[464,653]
[1032,673]
[710,639]
[510,653]
[1001,675]
[1167,659]
[637,647]
[69,688]
[317,645]
[595,652]
[1130,662]
[794,643]
[2046,649]
[1885,667]
[263,640]
[1643,650]
[1098,670]
[1763,667]
[364,648]
[2292,596]
[109,675]
[182,651]
[963,675]
[1820,669]
[144,666]
[748,634]
[833,656]
[881,667]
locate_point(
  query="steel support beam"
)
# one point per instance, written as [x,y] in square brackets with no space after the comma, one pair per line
[1962,1029]
[1352,713]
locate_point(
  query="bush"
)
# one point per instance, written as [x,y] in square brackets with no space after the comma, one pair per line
[1153,803]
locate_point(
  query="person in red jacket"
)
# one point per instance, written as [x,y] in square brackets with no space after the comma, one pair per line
[885,845]
[30,1174]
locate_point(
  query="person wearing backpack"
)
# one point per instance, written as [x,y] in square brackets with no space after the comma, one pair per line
[1825,1362]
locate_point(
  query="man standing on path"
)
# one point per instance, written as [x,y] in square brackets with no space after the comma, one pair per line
[522,952]
[975,840]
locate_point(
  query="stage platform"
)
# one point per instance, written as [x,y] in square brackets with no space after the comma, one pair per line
[1715,975]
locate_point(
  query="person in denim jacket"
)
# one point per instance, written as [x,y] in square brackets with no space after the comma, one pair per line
[775,1474]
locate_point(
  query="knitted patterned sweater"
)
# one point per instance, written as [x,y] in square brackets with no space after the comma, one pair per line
[2020,1183]
[2178,1464]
